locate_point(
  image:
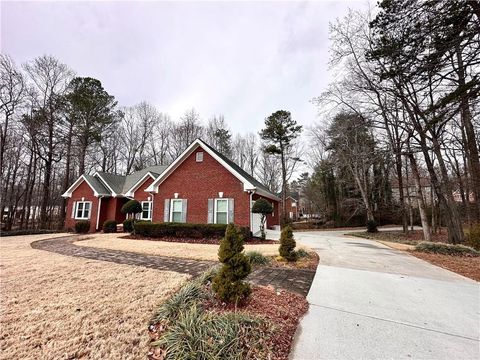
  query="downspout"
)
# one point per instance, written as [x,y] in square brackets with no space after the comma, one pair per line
[98,210]
[251,192]
[151,212]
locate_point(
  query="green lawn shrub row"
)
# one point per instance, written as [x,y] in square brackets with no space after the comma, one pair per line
[183,230]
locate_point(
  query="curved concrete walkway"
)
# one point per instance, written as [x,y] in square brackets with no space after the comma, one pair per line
[296,280]
[369,301]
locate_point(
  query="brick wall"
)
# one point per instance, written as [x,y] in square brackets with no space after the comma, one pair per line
[85,191]
[272,219]
[199,181]
[140,194]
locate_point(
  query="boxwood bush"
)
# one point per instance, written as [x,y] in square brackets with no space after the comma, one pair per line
[110,226]
[82,227]
[128,225]
[181,230]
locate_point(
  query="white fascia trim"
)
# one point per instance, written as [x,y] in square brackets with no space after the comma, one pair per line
[134,188]
[193,146]
[106,184]
[76,184]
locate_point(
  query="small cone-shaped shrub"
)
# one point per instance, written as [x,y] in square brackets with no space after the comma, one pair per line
[228,284]
[287,244]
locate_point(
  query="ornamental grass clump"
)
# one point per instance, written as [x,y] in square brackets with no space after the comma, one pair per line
[287,244]
[446,249]
[228,284]
[257,258]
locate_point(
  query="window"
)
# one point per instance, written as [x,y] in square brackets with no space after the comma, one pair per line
[146,210]
[199,156]
[176,210]
[83,210]
[221,211]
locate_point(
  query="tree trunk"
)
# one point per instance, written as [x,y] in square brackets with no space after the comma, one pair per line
[365,197]
[409,198]
[66,181]
[420,198]
[471,141]
[284,186]
[81,160]
[444,193]
[401,195]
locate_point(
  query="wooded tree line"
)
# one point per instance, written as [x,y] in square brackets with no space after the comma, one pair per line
[56,126]
[404,107]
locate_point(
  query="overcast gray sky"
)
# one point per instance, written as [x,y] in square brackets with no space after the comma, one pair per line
[241,59]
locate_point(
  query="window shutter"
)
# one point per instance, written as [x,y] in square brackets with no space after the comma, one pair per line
[231,211]
[74,208]
[184,210]
[166,211]
[210,211]
[90,210]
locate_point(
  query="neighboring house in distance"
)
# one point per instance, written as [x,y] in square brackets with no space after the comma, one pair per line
[200,186]
[410,191]
[291,208]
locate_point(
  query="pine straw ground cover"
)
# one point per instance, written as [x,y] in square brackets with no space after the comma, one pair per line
[398,236]
[194,324]
[464,265]
[60,307]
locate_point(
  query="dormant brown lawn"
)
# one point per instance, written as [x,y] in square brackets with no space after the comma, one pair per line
[163,248]
[60,307]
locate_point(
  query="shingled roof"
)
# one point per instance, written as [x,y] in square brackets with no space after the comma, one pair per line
[135,177]
[97,185]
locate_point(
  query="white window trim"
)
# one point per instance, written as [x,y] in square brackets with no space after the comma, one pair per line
[83,210]
[149,210]
[171,208]
[215,210]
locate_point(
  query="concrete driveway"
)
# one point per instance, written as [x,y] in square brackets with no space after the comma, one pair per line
[368,301]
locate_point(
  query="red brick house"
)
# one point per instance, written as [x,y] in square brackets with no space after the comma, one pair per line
[200,186]
[291,207]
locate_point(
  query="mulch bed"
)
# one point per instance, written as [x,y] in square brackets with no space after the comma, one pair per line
[281,308]
[464,265]
[410,238]
[250,241]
